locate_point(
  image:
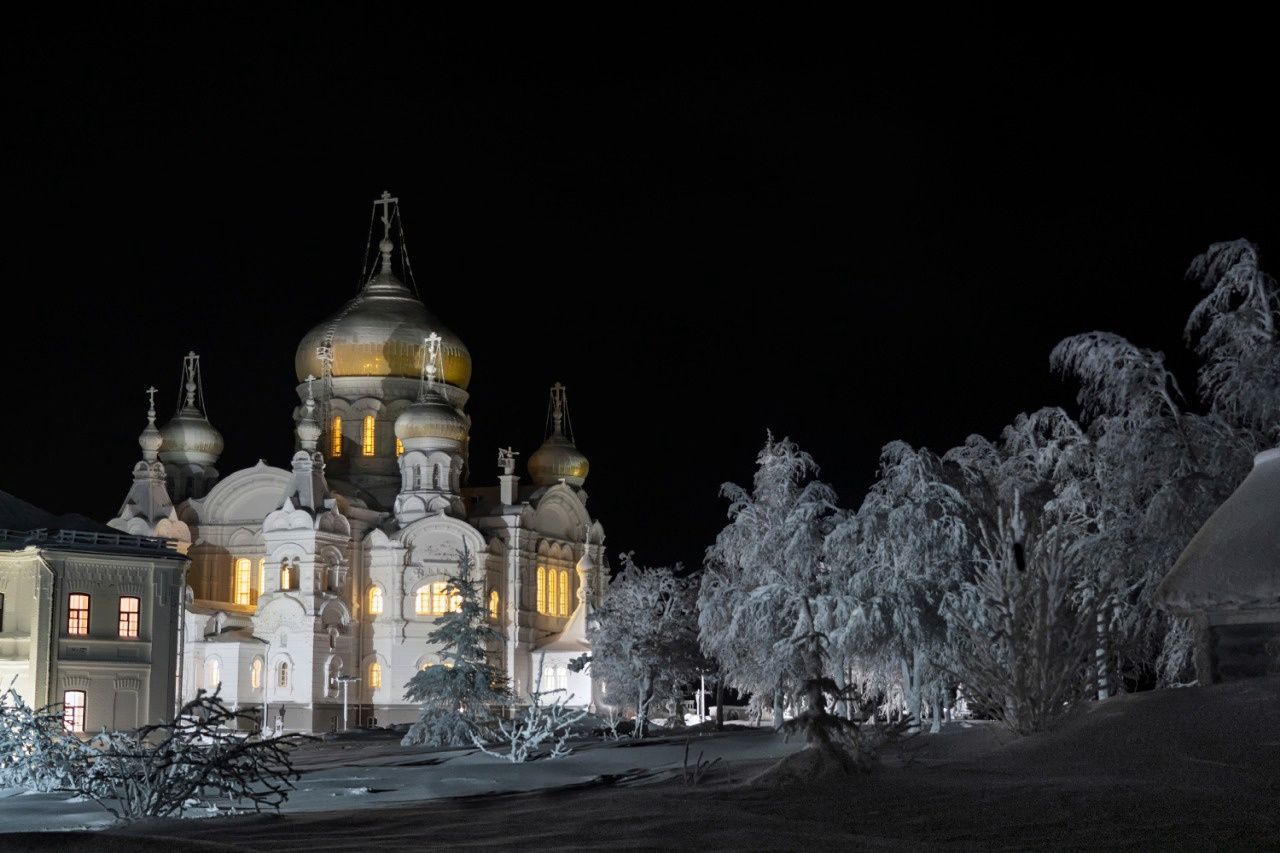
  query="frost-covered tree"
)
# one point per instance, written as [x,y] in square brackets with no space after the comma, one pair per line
[546,723]
[37,753]
[766,586]
[644,640]
[458,697]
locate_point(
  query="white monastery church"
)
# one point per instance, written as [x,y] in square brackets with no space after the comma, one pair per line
[329,575]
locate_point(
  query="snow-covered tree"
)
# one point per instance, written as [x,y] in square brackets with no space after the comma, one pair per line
[766,586]
[458,697]
[644,640]
[542,725]
[37,753]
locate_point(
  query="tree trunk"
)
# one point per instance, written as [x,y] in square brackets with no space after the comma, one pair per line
[937,710]
[911,689]
[720,702]
[777,709]
[841,678]
[1101,656]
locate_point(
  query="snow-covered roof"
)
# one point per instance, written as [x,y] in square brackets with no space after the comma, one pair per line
[1233,562]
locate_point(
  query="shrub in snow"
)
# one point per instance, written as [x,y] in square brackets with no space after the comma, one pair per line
[37,753]
[198,759]
[458,697]
[541,730]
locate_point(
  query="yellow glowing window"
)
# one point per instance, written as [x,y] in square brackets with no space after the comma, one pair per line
[493,604]
[375,675]
[78,614]
[255,673]
[367,435]
[262,580]
[335,437]
[73,710]
[542,589]
[375,600]
[444,599]
[286,577]
[128,617]
[399,447]
[564,593]
[422,601]
[242,581]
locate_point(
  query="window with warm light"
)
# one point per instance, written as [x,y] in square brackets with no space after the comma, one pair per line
[399,447]
[288,578]
[564,592]
[262,580]
[542,589]
[422,601]
[375,675]
[129,609]
[78,614]
[1,611]
[493,604]
[212,674]
[255,674]
[335,436]
[73,703]
[375,600]
[367,436]
[242,581]
[282,674]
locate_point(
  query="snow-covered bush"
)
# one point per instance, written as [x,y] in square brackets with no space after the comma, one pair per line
[540,731]
[459,696]
[202,759]
[37,753]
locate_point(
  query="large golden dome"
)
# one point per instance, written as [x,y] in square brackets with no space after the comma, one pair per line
[379,333]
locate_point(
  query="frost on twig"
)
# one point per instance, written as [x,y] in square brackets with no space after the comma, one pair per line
[543,729]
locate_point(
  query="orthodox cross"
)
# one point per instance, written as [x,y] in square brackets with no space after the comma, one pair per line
[507,459]
[557,406]
[386,201]
[151,399]
[430,361]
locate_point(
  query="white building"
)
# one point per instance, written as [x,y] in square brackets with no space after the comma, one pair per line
[336,565]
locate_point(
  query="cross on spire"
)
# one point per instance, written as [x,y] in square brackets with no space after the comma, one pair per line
[386,201]
[430,363]
[151,401]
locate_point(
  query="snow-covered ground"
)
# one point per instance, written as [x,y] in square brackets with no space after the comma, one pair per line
[1193,768]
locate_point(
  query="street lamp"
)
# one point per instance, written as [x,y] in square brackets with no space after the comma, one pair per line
[344,680]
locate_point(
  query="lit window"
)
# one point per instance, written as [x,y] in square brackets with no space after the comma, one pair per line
[335,437]
[286,576]
[375,600]
[422,603]
[1,611]
[212,674]
[129,617]
[282,674]
[366,443]
[399,447]
[78,614]
[255,674]
[242,581]
[73,710]
[493,604]
[375,675]
[542,589]
[262,580]
[564,592]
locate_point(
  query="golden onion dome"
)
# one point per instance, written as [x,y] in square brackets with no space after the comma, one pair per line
[431,417]
[379,333]
[558,458]
[190,438]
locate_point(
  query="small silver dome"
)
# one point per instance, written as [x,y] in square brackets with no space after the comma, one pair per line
[190,438]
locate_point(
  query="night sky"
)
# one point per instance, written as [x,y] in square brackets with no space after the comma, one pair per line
[846,234]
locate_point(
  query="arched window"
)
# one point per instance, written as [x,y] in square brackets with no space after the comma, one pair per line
[335,436]
[282,674]
[542,589]
[417,478]
[375,675]
[435,476]
[493,604]
[129,606]
[564,592]
[255,674]
[212,674]
[242,581]
[422,601]
[78,614]
[399,447]
[73,710]
[262,579]
[375,600]
[367,436]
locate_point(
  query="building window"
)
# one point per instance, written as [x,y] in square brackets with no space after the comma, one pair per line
[212,674]
[1,611]
[542,589]
[399,447]
[73,710]
[262,580]
[282,674]
[422,603]
[335,436]
[288,579]
[437,598]
[375,600]
[435,476]
[78,614]
[375,675]
[367,436]
[129,617]
[493,604]
[241,590]
[255,674]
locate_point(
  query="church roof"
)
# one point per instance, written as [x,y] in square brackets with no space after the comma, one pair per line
[1233,561]
[23,524]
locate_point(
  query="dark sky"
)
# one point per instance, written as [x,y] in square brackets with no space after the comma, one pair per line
[846,234]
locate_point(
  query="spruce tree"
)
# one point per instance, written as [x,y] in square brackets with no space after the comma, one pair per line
[458,696]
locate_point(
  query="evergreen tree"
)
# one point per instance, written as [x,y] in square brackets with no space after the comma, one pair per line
[458,697]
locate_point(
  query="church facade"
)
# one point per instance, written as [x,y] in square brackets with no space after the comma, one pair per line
[327,577]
